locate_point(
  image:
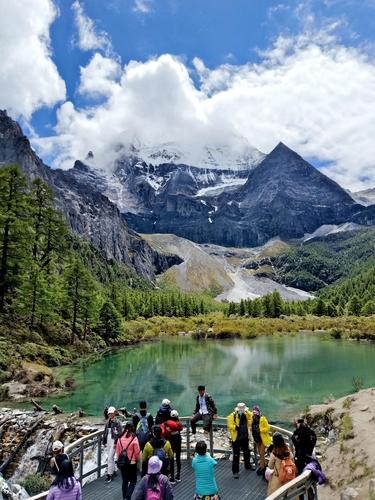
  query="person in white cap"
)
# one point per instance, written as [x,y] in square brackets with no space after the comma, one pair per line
[58,456]
[154,484]
[239,427]
[112,431]
[164,412]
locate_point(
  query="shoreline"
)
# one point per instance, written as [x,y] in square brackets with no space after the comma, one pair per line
[37,380]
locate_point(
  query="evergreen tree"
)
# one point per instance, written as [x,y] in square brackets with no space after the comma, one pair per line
[15,232]
[277,304]
[242,309]
[109,326]
[354,306]
[369,308]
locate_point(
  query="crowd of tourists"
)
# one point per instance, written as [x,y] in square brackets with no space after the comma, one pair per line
[156,443]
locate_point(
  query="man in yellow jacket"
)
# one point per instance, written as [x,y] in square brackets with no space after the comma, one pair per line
[239,427]
[260,429]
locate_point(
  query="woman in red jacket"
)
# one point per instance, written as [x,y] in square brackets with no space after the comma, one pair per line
[128,442]
[172,431]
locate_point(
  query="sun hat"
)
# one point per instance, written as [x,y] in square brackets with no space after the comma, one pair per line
[256,410]
[174,413]
[154,465]
[165,402]
[111,409]
[241,406]
[57,445]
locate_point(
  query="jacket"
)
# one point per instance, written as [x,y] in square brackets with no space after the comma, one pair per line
[141,491]
[163,414]
[233,421]
[316,471]
[114,427]
[171,428]
[211,407]
[274,482]
[264,429]
[131,445]
[149,448]
[56,493]
[204,468]
[304,441]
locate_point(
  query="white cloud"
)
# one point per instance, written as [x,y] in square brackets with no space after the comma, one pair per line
[313,94]
[142,6]
[100,76]
[29,78]
[89,38]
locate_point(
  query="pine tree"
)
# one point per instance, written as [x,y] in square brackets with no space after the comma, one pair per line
[277,304]
[15,232]
[354,306]
[369,308]
[242,309]
[109,326]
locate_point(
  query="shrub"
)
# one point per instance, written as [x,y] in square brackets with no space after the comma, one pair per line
[357,384]
[35,484]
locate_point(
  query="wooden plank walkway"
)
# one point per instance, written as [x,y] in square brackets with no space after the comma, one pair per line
[249,486]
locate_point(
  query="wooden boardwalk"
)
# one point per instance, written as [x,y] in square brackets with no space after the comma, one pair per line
[249,486]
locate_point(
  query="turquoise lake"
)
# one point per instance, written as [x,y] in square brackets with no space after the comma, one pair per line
[281,374]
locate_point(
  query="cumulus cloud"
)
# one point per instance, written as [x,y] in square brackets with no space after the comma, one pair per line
[89,38]
[29,78]
[314,94]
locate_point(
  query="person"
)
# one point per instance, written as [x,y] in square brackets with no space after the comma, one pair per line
[204,469]
[154,485]
[65,486]
[112,432]
[304,441]
[205,409]
[164,412]
[128,443]
[239,425]
[143,422]
[172,432]
[280,451]
[157,446]
[260,430]
[58,456]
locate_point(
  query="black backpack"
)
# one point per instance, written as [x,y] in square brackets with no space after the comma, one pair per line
[123,460]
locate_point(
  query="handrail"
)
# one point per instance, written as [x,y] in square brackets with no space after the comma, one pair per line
[78,447]
[295,488]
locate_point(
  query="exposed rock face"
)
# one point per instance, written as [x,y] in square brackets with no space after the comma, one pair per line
[283,196]
[89,213]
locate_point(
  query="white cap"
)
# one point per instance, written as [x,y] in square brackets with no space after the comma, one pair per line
[241,406]
[174,413]
[111,409]
[165,402]
[57,445]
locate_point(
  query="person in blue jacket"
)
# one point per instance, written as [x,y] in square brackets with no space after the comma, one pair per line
[204,468]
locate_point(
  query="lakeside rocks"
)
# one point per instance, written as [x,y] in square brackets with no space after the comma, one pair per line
[348,452]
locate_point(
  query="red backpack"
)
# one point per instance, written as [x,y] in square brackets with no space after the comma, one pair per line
[288,470]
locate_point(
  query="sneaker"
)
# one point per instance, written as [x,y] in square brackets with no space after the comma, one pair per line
[236,475]
[178,480]
[260,471]
[108,479]
[172,481]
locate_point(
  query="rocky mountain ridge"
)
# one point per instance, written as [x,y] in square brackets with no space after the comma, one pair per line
[90,214]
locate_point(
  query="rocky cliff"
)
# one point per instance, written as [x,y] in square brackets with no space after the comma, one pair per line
[90,214]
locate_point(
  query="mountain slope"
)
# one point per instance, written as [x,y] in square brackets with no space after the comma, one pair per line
[89,213]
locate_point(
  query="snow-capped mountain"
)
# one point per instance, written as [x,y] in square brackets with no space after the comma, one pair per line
[365,197]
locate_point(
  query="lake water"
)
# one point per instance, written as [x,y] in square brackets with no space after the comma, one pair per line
[281,374]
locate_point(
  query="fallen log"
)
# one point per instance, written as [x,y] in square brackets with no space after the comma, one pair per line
[37,405]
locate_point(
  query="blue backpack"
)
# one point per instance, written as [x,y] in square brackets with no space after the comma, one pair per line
[143,432]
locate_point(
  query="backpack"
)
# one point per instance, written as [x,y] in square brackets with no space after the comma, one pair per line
[143,432]
[123,460]
[160,453]
[155,495]
[288,470]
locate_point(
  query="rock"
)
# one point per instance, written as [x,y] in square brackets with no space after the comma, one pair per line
[349,494]
[364,408]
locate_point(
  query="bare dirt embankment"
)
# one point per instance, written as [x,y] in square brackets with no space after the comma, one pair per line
[348,455]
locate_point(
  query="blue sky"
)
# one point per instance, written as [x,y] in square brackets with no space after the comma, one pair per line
[217,31]
[300,71]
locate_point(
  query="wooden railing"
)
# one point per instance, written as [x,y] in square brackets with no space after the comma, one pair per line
[76,450]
